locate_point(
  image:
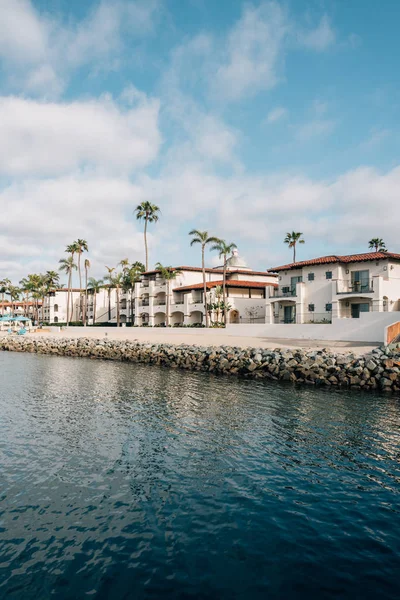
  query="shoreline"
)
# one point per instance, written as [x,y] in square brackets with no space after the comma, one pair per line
[377,370]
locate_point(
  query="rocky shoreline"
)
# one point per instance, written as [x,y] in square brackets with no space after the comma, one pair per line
[378,370]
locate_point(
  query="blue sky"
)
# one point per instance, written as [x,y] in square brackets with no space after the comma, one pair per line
[248,119]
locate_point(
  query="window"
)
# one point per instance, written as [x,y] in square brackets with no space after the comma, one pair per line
[55,319]
[286,289]
[328,307]
[311,277]
[311,307]
[328,274]
[56,308]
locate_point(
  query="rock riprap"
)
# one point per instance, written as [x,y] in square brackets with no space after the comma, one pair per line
[378,370]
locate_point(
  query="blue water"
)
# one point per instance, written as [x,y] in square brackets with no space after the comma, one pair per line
[126,481]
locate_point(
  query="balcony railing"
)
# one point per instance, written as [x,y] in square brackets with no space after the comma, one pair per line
[354,287]
[159,302]
[144,303]
[284,291]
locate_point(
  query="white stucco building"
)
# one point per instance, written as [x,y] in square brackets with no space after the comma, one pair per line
[55,306]
[245,294]
[335,287]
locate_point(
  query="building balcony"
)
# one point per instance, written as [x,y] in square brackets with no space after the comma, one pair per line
[354,287]
[144,303]
[284,292]
[144,284]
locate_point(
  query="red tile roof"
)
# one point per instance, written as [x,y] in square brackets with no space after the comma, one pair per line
[231,283]
[325,260]
[208,270]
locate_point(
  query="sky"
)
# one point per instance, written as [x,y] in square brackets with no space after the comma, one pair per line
[247,119]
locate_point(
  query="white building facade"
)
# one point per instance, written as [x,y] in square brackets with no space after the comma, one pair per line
[245,294]
[55,306]
[335,287]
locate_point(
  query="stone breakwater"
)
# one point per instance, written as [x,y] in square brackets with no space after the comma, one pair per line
[378,370]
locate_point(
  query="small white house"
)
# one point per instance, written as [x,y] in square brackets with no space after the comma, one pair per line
[335,287]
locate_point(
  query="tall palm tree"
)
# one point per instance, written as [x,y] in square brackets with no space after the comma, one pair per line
[87,267]
[116,282]
[149,213]
[95,285]
[108,288]
[168,274]
[292,239]
[14,293]
[224,250]
[378,244]
[4,283]
[72,250]
[68,266]
[52,280]
[131,277]
[202,238]
[81,247]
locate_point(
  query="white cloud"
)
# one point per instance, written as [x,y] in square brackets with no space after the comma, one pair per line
[276,114]
[314,128]
[45,138]
[39,52]
[253,52]
[320,38]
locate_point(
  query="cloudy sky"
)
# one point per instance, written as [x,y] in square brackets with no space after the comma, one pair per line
[248,119]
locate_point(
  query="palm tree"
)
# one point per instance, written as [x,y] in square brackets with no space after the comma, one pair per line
[149,213]
[116,282]
[131,277]
[224,250]
[68,265]
[87,267]
[168,274]
[108,288]
[4,284]
[72,250]
[95,285]
[14,293]
[378,244]
[202,238]
[52,280]
[292,239]
[80,247]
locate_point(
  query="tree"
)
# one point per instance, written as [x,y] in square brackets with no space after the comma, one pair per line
[224,250]
[168,274]
[132,275]
[71,249]
[108,288]
[4,284]
[202,238]
[81,246]
[115,282]
[14,293]
[149,213]
[52,280]
[95,286]
[292,239]
[87,267]
[378,244]
[68,266]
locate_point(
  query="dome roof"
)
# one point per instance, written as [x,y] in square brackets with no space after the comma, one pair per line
[236,262]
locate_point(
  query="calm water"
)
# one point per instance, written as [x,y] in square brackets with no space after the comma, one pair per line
[124,481]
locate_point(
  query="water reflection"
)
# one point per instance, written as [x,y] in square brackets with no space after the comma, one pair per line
[136,481]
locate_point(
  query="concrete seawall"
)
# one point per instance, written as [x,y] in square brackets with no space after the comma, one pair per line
[378,370]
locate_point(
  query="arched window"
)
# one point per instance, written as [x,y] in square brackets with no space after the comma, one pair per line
[55,319]
[56,308]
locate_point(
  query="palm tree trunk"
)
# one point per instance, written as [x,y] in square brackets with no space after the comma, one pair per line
[86,297]
[167,307]
[2,304]
[203,266]
[224,289]
[109,304]
[294,252]
[80,284]
[69,295]
[132,308]
[145,244]
[117,299]
[94,307]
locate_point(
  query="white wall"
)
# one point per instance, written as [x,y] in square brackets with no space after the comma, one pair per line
[370,327]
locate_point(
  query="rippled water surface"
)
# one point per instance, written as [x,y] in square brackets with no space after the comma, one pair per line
[125,481]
